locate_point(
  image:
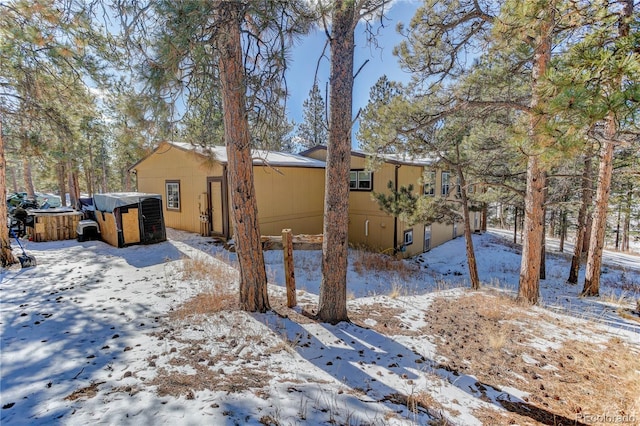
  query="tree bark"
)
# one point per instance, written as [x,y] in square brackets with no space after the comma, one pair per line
[532,243]
[515,224]
[533,228]
[62,186]
[332,306]
[6,255]
[543,248]
[581,231]
[626,223]
[74,185]
[563,229]
[468,237]
[605,170]
[28,178]
[253,277]
[483,223]
[619,217]
[599,226]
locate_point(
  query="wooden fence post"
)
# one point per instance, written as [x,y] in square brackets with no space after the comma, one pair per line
[289,274]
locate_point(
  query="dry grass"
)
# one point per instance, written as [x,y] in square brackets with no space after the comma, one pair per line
[217,287]
[207,268]
[490,338]
[365,262]
[86,392]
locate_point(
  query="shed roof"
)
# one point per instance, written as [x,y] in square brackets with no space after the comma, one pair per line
[107,202]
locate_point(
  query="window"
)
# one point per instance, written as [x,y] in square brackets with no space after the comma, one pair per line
[408,237]
[427,237]
[445,184]
[173,194]
[455,230]
[360,180]
[430,183]
[458,192]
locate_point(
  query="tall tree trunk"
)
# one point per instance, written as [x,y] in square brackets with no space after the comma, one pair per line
[126,180]
[532,242]
[61,174]
[515,224]
[74,188]
[28,178]
[596,245]
[581,231]
[551,228]
[105,186]
[543,253]
[332,306]
[6,255]
[617,242]
[626,223]
[529,286]
[471,255]
[253,277]
[588,227]
[483,222]
[88,170]
[543,250]
[563,229]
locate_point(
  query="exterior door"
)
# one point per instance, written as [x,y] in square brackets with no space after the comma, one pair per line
[218,212]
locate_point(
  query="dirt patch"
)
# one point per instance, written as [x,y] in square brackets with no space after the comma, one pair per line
[494,339]
[87,392]
[381,318]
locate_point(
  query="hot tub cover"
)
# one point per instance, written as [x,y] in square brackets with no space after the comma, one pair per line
[112,200]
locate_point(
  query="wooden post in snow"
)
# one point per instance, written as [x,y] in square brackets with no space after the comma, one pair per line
[289,273]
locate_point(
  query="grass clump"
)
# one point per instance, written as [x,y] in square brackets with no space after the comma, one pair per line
[216,287]
[365,262]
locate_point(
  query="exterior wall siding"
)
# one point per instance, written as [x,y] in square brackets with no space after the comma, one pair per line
[292,197]
[287,197]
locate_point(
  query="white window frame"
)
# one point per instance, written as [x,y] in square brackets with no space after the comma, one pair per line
[358,178]
[172,192]
[408,237]
[445,183]
[430,184]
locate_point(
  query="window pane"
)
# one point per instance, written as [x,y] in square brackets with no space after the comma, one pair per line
[364,180]
[445,183]
[173,195]
[408,237]
[353,180]
[430,183]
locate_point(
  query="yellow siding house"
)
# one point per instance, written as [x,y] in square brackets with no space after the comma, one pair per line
[370,227]
[290,194]
[193,184]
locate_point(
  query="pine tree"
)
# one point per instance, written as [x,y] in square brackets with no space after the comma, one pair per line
[313,130]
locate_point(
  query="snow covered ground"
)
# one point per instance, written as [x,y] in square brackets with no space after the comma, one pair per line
[93,334]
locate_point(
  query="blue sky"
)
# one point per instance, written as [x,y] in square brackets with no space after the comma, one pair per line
[305,55]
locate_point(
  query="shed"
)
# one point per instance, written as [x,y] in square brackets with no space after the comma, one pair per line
[127,218]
